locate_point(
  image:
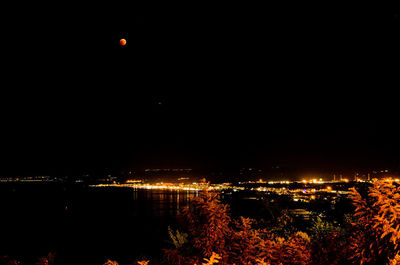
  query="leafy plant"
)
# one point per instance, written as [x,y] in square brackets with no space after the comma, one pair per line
[376,234]
[178,238]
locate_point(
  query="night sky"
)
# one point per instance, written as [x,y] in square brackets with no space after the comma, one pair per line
[218,87]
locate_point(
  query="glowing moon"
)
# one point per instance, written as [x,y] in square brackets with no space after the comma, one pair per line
[122,42]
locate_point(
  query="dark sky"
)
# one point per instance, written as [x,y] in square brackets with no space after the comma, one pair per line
[309,87]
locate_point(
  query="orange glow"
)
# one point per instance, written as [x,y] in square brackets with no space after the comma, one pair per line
[133,181]
[122,42]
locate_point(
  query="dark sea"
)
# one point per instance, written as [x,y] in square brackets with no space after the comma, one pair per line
[86,225]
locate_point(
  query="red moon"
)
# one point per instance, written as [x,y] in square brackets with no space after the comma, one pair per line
[122,42]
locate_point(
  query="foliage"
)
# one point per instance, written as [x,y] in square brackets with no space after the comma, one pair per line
[212,260]
[395,260]
[247,243]
[284,226]
[376,232]
[328,243]
[178,238]
[294,251]
[212,237]
[207,224]
[320,229]
[330,248]
[262,262]
[212,232]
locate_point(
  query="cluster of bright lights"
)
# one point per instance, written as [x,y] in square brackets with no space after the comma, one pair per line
[195,186]
[280,182]
[389,180]
[134,181]
[156,186]
[313,181]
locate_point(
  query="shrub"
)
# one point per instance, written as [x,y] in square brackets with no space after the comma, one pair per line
[376,232]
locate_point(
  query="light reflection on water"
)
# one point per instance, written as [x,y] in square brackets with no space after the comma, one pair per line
[160,202]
